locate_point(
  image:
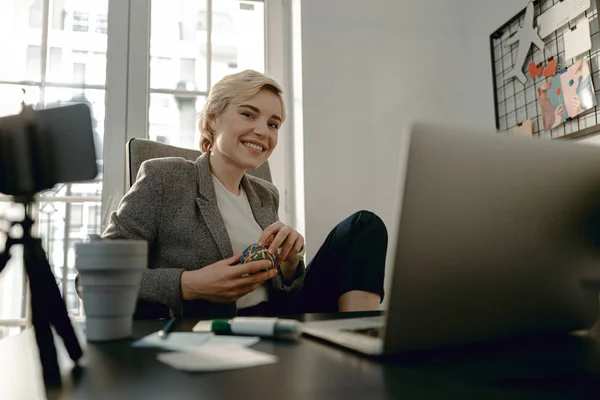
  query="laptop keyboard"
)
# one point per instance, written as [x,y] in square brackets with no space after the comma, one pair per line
[372,332]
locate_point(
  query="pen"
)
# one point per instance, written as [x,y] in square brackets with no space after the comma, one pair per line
[169,326]
[253,326]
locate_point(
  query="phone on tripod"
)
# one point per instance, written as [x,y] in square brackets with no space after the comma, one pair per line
[41,148]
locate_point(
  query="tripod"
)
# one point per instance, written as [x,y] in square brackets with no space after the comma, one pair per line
[47,306]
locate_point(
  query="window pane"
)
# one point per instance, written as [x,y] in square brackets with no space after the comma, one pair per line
[11,97]
[238,37]
[21,21]
[173,119]
[77,42]
[178,44]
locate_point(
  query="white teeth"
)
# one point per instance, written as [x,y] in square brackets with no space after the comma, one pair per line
[253,146]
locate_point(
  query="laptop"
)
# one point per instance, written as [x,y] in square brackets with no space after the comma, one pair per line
[495,236]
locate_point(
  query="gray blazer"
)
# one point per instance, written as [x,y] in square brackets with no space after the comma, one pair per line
[173,206]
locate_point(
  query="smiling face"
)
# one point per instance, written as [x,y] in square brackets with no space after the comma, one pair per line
[245,133]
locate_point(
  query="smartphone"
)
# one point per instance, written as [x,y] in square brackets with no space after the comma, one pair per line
[41,148]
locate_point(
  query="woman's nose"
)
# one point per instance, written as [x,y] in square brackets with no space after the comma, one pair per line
[261,129]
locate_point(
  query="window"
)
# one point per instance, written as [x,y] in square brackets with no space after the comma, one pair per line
[57,76]
[81,21]
[35,14]
[55,64]
[34,57]
[184,67]
[58,14]
[201,23]
[79,73]
[102,24]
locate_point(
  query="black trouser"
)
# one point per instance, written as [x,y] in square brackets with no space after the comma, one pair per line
[351,258]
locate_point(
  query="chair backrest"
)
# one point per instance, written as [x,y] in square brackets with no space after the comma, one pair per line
[140,150]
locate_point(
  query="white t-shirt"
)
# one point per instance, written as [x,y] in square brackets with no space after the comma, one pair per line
[243,231]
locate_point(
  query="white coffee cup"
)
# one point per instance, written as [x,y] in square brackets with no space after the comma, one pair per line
[111,272]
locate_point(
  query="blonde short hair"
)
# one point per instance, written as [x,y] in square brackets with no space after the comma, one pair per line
[238,87]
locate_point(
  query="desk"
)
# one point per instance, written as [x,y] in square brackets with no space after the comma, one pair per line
[544,368]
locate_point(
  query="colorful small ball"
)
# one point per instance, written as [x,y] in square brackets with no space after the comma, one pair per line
[254,252]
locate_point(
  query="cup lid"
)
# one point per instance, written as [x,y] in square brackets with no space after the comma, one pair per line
[106,248]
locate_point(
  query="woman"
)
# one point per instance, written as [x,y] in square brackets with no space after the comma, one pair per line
[552,115]
[199,216]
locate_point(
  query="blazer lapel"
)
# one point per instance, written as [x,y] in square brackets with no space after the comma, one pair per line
[262,214]
[207,202]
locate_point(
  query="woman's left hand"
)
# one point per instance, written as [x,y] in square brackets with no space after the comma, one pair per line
[576,104]
[284,236]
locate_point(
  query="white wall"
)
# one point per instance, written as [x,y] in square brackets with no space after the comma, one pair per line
[370,68]
[481,18]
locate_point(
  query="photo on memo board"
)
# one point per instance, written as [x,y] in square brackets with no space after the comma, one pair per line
[552,103]
[578,89]
[566,95]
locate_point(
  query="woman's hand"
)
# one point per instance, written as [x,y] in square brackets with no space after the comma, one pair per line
[282,236]
[225,281]
[576,104]
[577,67]
[559,114]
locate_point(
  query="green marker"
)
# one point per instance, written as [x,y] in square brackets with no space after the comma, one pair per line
[252,326]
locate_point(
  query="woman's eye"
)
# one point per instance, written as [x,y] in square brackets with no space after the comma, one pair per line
[247,115]
[274,126]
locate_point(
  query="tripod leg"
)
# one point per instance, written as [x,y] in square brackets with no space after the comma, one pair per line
[54,304]
[41,323]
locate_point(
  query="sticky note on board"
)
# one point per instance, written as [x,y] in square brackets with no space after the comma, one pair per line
[525,129]
[559,14]
[578,41]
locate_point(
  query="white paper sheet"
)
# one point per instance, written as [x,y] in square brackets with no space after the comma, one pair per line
[559,14]
[186,341]
[578,41]
[217,358]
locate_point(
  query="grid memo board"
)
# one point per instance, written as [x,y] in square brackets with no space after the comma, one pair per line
[515,102]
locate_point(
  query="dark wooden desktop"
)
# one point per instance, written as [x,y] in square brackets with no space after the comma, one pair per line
[539,368]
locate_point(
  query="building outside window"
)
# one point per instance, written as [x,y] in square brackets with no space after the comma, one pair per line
[81,21]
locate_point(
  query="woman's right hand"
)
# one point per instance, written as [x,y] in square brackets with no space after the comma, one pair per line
[225,281]
[559,114]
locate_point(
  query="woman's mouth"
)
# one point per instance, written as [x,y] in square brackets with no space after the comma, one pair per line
[253,146]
